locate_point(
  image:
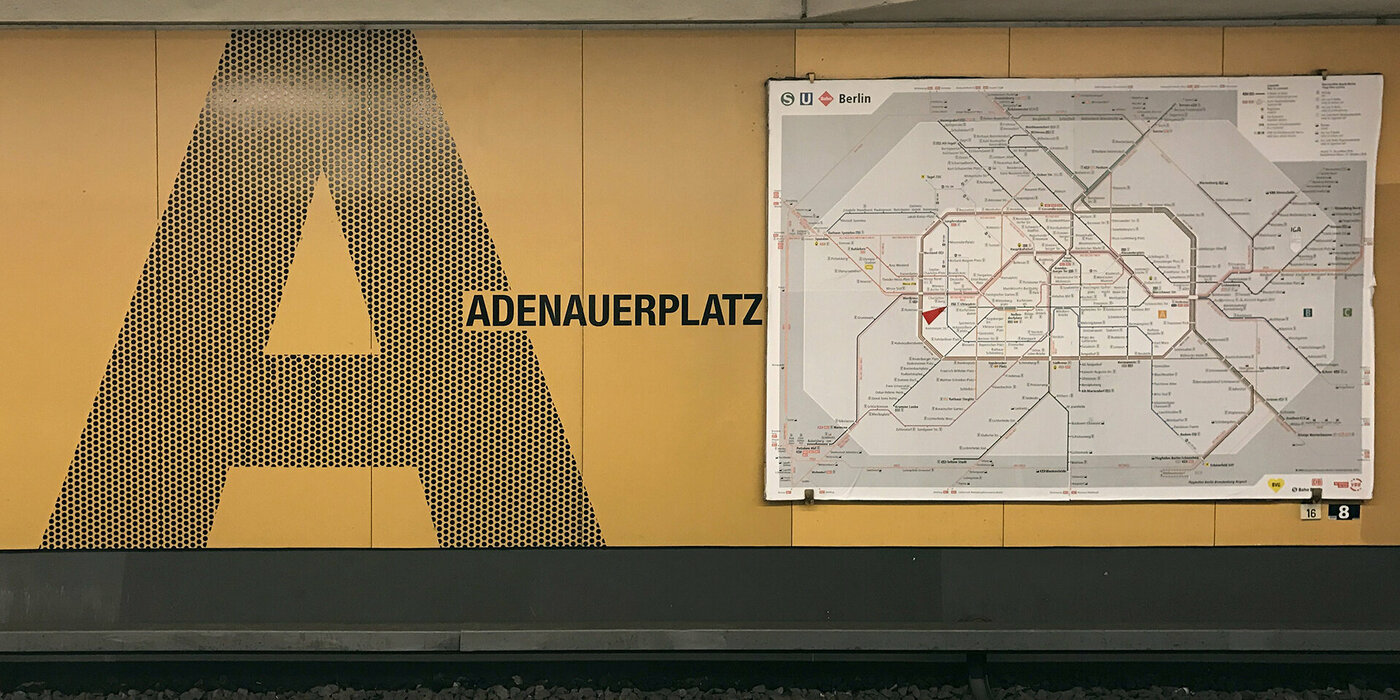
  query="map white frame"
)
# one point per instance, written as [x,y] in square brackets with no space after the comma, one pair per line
[1356,124]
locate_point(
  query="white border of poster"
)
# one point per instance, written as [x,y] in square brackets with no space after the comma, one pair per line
[1353,131]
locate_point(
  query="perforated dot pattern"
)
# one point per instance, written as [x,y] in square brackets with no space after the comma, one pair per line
[189,393]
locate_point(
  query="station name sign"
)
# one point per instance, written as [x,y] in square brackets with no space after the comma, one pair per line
[498,310]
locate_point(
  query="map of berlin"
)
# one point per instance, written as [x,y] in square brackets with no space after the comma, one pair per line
[1055,289]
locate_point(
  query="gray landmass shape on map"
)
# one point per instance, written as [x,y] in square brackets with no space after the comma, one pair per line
[817,177]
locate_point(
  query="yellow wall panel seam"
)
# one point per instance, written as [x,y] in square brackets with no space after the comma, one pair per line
[583,257]
[1008,72]
[369,515]
[155,111]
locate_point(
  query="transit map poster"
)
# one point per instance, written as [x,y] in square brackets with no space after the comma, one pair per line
[1097,289]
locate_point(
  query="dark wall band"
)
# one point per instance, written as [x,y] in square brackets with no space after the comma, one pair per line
[1270,598]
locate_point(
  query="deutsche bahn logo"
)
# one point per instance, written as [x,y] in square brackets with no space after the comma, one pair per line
[826,98]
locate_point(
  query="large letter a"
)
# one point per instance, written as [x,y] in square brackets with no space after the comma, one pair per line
[189,393]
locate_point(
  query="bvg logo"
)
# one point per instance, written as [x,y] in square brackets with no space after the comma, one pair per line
[1275,484]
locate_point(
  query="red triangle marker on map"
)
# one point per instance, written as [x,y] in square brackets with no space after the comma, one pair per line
[933,313]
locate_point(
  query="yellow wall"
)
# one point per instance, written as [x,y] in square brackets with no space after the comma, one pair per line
[604,161]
